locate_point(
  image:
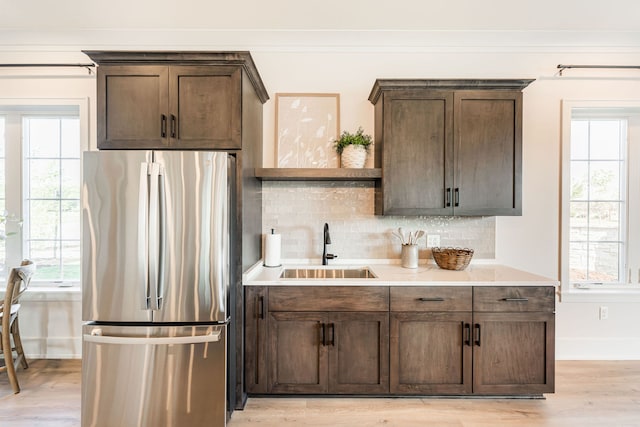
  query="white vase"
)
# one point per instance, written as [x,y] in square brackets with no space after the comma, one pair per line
[353,156]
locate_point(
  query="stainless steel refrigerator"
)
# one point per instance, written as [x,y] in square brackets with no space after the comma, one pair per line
[155,279]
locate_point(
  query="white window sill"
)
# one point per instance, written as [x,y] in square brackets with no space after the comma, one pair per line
[600,295]
[52,293]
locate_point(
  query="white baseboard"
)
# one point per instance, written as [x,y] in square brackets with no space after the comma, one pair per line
[598,348]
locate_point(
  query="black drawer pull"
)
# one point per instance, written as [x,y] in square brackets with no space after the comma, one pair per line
[457,197]
[515,299]
[447,197]
[435,299]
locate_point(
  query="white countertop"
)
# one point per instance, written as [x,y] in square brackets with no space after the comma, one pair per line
[388,274]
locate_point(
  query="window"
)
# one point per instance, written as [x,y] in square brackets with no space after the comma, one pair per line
[40,173]
[601,195]
[597,199]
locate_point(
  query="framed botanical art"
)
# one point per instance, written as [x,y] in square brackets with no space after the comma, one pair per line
[306,126]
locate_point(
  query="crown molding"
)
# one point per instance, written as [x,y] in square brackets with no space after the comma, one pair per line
[323,40]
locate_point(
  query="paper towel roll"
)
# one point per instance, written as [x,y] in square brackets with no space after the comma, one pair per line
[272,249]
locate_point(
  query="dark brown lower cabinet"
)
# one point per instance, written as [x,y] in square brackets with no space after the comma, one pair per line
[400,340]
[481,340]
[337,353]
[513,353]
[255,328]
[297,353]
[359,353]
[430,353]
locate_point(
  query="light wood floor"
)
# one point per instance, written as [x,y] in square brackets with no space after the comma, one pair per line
[588,394]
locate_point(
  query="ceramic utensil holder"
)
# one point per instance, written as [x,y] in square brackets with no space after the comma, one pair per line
[409,256]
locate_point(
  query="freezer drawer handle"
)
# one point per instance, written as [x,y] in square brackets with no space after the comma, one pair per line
[97,337]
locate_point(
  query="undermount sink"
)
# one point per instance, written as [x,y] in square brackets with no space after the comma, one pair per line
[327,273]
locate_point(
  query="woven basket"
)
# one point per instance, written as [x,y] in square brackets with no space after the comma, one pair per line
[353,156]
[452,258]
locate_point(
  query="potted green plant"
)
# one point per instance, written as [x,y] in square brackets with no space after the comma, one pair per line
[353,148]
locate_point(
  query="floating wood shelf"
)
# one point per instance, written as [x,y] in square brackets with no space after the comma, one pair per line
[318,174]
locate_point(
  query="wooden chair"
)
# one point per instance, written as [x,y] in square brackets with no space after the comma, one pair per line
[18,282]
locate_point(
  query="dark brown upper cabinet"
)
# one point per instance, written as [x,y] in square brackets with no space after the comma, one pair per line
[174,100]
[448,147]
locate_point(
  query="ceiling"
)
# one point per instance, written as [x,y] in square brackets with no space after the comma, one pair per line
[265,24]
[431,15]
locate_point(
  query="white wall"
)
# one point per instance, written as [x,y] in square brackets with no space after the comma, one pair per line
[299,51]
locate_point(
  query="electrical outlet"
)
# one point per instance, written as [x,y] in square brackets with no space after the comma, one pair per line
[433,240]
[604,312]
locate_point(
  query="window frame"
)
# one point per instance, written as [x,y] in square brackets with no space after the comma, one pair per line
[30,107]
[620,292]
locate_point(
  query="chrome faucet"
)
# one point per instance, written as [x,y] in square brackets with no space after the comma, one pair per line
[326,241]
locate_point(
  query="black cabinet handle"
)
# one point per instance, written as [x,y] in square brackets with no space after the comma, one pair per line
[447,198]
[333,334]
[260,307]
[516,299]
[477,331]
[456,193]
[163,126]
[467,333]
[173,126]
[436,299]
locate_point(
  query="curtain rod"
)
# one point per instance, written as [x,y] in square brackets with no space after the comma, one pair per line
[563,67]
[87,66]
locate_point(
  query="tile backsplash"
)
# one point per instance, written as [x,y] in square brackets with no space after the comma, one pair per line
[299,209]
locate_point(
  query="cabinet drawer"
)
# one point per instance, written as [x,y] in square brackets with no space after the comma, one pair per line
[431,298]
[514,298]
[328,298]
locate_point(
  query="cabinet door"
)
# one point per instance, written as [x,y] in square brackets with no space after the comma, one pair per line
[488,153]
[358,352]
[430,353]
[297,357]
[513,353]
[255,339]
[132,107]
[417,153]
[205,107]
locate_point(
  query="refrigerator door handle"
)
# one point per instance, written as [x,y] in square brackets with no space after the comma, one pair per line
[162,250]
[97,337]
[143,228]
[154,245]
